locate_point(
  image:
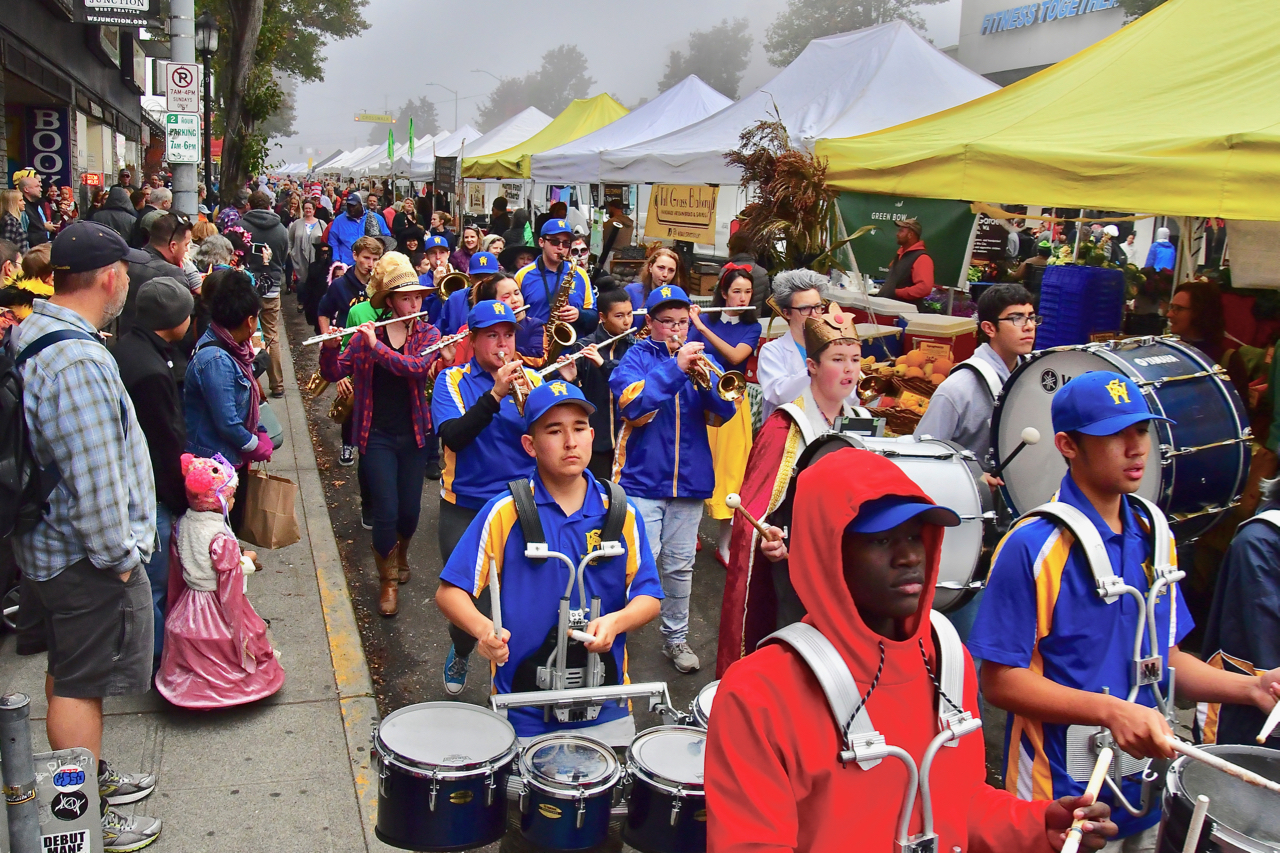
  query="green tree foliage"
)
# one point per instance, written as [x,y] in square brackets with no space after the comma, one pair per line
[260,40]
[280,123]
[425,122]
[805,20]
[560,79]
[718,56]
[1137,8]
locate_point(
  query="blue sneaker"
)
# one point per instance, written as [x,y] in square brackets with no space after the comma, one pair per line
[455,673]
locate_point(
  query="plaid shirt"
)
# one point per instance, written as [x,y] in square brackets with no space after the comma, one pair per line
[357,361]
[82,419]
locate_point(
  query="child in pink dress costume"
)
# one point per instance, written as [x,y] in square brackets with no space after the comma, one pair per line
[216,650]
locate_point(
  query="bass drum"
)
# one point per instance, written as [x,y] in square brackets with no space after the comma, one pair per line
[1241,819]
[951,477]
[1203,459]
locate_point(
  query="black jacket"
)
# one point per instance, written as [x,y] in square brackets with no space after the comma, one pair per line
[140,274]
[118,213]
[146,369]
[594,382]
[264,226]
[36,234]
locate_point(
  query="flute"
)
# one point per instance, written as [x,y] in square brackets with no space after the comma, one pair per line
[716,309]
[328,336]
[450,340]
[569,359]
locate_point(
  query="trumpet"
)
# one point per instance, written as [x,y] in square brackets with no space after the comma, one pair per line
[569,359]
[451,282]
[519,386]
[316,385]
[730,385]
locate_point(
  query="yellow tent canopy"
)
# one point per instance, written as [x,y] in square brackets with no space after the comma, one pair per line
[1174,114]
[578,119]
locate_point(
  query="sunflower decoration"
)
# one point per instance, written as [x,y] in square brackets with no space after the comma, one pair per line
[20,292]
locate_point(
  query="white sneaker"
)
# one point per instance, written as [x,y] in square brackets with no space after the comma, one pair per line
[124,834]
[681,656]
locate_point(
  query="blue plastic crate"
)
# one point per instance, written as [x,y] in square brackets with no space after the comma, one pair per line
[1077,302]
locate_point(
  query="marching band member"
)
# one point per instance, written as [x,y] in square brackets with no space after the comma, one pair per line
[540,280]
[663,458]
[435,257]
[390,416]
[594,370]
[458,304]
[758,593]
[1048,642]
[782,371]
[865,552]
[480,428]
[732,336]
[661,268]
[572,506]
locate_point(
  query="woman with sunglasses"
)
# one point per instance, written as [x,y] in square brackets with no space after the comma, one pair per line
[662,267]
[733,336]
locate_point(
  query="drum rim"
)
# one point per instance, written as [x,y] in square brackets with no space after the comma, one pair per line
[569,790]
[696,704]
[1218,829]
[655,779]
[445,771]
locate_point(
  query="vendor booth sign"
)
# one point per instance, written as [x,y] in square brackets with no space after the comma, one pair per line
[947,228]
[682,212]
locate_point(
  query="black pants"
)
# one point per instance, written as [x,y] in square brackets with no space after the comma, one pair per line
[236,516]
[601,464]
[454,521]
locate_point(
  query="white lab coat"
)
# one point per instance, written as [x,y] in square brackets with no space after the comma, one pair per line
[783,374]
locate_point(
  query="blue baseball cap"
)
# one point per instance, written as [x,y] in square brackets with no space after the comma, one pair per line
[555,226]
[488,313]
[664,295]
[548,395]
[435,242]
[483,263]
[1100,403]
[888,512]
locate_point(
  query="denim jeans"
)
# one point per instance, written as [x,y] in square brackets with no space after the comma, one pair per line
[672,527]
[395,468]
[158,574]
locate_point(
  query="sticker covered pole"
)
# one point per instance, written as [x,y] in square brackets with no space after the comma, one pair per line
[18,770]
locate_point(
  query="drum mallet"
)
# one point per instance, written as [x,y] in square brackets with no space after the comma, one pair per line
[1225,766]
[581,636]
[1096,778]
[495,598]
[1030,436]
[1269,726]
[734,502]
[1194,829]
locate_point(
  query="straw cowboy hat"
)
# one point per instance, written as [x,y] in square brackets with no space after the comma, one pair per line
[393,272]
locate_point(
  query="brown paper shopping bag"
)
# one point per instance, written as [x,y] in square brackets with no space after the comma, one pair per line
[269,517]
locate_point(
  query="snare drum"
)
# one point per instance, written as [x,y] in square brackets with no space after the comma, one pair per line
[566,791]
[1203,458]
[951,477]
[667,808]
[700,707]
[442,776]
[1241,819]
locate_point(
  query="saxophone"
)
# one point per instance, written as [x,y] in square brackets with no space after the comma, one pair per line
[558,335]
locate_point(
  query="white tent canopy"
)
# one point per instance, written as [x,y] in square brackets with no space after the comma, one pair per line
[511,132]
[375,161]
[342,161]
[841,85]
[689,101]
[423,166]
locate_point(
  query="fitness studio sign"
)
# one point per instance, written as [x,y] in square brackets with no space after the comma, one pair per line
[1031,14]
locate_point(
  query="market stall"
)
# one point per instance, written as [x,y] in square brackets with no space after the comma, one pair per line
[577,120]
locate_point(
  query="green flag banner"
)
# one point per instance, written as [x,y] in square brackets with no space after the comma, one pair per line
[391,144]
[410,139]
[947,225]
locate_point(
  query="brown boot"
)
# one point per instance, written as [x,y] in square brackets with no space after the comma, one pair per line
[389,599]
[401,553]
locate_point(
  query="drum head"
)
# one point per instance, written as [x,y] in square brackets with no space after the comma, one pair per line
[563,759]
[1235,805]
[447,735]
[706,696]
[1033,477]
[671,754]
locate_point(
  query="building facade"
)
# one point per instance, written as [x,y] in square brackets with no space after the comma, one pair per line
[1007,40]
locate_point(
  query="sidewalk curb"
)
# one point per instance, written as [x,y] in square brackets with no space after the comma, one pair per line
[350,669]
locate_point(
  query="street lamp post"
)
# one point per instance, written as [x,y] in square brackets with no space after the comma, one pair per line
[490,73]
[455,102]
[207,46]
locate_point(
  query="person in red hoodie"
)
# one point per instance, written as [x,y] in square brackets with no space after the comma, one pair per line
[864,555]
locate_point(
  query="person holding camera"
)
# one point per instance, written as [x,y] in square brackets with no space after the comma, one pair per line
[265,260]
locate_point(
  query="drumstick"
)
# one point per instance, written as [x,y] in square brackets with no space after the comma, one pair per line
[734,502]
[1269,726]
[1030,436]
[1197,824]
[1096,778]
[1225,766]
[581,636]
[495,598]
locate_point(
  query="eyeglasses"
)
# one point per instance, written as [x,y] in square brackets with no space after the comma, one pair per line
[563,244]
[1020,321]
[578,253]
[809,310]
[673,324]
[1178,309]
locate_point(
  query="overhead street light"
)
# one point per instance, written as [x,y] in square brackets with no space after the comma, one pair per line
[455,102]
[207,46]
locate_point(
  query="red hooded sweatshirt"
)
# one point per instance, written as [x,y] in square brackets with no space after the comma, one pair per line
[773,778]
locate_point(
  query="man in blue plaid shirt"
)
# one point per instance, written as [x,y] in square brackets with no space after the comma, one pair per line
[84,583]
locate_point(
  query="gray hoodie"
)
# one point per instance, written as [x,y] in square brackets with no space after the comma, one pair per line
[264,226]
[118,213]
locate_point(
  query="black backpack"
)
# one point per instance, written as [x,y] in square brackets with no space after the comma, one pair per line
[24,486]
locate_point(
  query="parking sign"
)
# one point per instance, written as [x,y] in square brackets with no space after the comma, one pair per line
[182,137]
[182,87]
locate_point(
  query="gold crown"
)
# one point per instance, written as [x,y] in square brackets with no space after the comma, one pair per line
[819,332]
[392,272]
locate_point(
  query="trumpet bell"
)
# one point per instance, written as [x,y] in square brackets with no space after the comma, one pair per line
[451,283]
[731,386]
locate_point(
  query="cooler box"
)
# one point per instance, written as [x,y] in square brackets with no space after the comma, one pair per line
[872,309]
[959,333]
[880,342]
[1077,303]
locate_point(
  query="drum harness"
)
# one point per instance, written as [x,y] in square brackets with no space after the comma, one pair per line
[556,673]
[1084,743]
[862,744]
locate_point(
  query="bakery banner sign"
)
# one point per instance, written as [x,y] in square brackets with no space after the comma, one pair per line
[118,13]
[682,212]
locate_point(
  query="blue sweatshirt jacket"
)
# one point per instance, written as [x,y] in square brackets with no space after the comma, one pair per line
[662,450]
[1162,255]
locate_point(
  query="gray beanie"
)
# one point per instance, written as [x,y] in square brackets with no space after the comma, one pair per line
[163,303]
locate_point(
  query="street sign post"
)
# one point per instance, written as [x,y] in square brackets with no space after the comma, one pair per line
[182,87]
[182,137]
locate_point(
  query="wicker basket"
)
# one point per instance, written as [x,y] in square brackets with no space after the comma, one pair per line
[897,420]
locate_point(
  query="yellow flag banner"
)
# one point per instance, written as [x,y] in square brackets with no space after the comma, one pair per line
[682,212]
